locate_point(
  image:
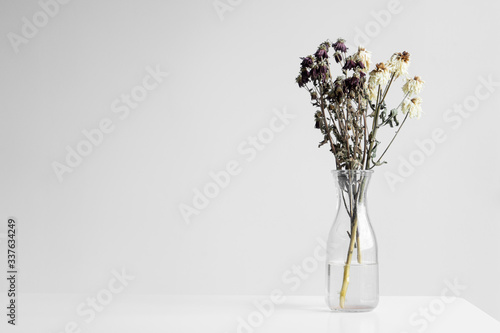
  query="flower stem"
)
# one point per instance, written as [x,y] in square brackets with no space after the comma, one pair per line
[394,137]
[347,267]
[358,197]
[358,249]
[375,122]
[327,132]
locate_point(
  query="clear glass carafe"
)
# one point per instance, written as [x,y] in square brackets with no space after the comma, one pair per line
[352,263]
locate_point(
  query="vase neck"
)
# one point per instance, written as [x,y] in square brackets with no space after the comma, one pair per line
[352,187]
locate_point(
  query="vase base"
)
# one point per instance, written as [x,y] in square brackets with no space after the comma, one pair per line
[334,306]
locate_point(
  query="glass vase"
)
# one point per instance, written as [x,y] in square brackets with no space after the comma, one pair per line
[352,264]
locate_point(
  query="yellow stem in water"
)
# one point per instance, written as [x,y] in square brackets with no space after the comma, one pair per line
[347,267]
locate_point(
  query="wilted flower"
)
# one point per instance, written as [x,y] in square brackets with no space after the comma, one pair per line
[413,86]
[307,62]
[303,77]
[323,69]
[364,56]
[340,45]
[352,82]
[372,94]
[413,107]
[398,64]
[378,77]
[350,64]
[322,52]
[338,86]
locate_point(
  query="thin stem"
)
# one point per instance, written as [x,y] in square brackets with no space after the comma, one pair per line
[365,139]
[358,247]
[325,120]
[394,137]
[387,88]
[375,122]
[346,133]
[374,131]
[347,267]
[345,204]
[402,101]
[327,131]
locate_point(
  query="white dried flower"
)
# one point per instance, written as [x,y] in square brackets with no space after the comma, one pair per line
[413,107]
[398,64]
[378,77]
[365,57]
[372,94]
[413,86]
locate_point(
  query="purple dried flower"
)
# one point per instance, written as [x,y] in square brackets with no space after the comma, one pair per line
[303,78]
[307,62]
[340,45]
[350,64]
[323,69]
[321,53]
[352,82]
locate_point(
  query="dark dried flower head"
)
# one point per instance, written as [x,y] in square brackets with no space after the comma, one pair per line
[303,78]
[350,64]
[352,82]
[307,62]
[340,45]
[321,54]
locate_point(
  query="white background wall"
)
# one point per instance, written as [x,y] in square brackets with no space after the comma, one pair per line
[120,206]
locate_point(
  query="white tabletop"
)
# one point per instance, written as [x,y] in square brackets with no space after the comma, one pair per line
[233,314]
